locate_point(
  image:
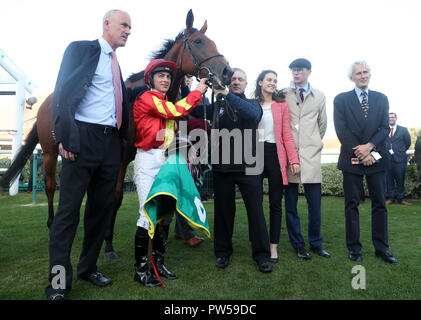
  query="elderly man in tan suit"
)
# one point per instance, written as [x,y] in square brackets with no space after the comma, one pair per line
[307,107]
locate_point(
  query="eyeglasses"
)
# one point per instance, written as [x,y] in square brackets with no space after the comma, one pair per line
[297,70]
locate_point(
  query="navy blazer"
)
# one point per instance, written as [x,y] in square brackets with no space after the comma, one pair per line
[74,78]
[353,129]
[400,142]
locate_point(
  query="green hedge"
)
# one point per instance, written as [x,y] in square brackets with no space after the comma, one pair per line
[331,186]
[332,182]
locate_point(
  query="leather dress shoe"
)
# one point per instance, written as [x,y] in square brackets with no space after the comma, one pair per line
[355,256]
[405,203]
[390,202]
[302,253]
[177,236]
[97,279]
[57,296]
[265,267]
[194,241]
[386,256]
[222,262]
[273,260]
[320,252]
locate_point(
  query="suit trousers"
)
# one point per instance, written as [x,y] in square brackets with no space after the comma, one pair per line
[183,228]
[94,172]
[395,173]
[313,194]
[224,210]
[352,184]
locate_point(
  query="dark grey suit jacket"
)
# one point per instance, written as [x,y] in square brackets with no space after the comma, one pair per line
[353,129]
[76,72]
[400,142]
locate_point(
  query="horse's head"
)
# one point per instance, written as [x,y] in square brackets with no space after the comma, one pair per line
[199,56]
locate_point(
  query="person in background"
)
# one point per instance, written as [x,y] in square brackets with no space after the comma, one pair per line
[279,149]
[40,165]
[397,142]
[361,118]
[182,230]
[307,108]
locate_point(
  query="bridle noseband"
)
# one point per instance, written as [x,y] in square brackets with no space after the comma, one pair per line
[194,60]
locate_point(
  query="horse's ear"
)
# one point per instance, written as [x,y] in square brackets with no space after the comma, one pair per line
[205,27]
[189,20]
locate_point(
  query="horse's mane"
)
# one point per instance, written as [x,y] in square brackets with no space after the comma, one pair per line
[158,54]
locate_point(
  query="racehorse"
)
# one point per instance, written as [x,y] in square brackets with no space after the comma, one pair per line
[192,51]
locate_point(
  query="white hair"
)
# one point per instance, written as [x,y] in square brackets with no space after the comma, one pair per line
[109,15]
[242,71]
[359,62]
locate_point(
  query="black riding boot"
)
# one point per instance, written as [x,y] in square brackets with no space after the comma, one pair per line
[142,272]
[159,245]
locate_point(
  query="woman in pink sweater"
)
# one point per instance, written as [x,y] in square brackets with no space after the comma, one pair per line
[279,149]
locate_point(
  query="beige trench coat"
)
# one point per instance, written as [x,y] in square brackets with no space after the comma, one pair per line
[308,126]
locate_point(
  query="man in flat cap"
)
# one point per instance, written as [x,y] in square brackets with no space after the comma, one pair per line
[307,107]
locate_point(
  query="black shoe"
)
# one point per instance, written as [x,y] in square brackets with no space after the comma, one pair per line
[320,252]
[265,267]
[158,260]
[274,260]
[222,262]
[355,256]
[302,253]
[164,272]
[97,279]
[147,278]
[386,257]
[56,294]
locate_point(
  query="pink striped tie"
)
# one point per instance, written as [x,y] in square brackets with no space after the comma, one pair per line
[117,90]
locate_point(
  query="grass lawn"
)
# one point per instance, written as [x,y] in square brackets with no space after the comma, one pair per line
[24,259]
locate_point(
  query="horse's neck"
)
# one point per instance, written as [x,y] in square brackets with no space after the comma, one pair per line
[174,55]
[175,88]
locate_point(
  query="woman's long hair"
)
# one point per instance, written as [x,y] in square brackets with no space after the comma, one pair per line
[277,96]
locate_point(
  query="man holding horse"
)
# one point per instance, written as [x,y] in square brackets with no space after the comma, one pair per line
[90,120]
[235,117]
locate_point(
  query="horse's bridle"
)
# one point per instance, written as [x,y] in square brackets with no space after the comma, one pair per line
[194,60]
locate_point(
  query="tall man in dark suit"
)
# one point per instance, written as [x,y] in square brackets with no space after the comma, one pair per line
[90,120]
[397,142]
[361,124]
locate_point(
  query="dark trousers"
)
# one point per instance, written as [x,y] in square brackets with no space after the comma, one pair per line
[352,185]
[40,166]
[94,172]
[183,228]
[272,171]
[224,210]
[396,173]
[313,194]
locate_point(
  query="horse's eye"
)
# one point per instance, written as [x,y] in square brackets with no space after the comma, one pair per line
[198,41]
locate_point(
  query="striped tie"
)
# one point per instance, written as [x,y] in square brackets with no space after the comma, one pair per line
[364,104]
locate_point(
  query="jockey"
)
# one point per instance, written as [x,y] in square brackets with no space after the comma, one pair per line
[155,125]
